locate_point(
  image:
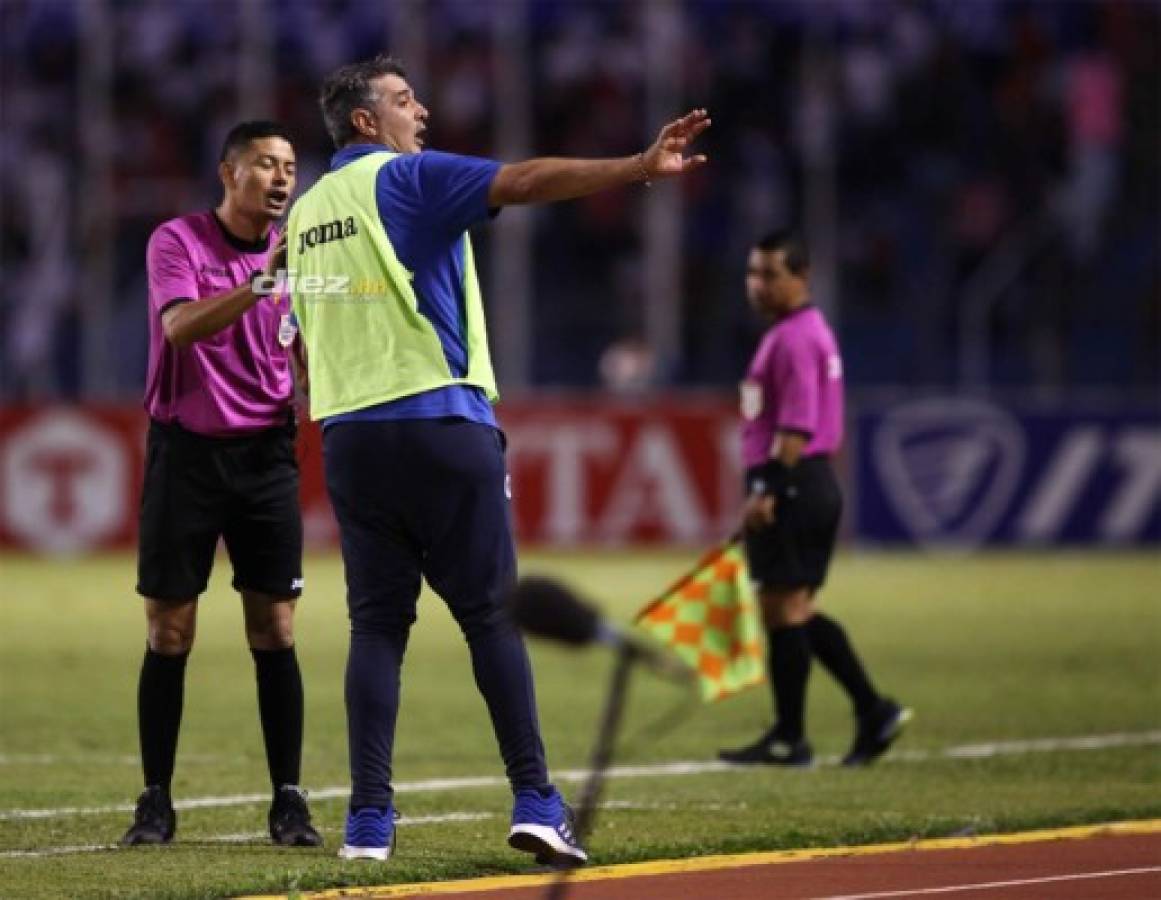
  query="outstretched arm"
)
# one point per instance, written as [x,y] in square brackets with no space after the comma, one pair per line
[548,179]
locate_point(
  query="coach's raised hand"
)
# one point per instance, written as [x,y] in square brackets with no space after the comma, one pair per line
[666,157]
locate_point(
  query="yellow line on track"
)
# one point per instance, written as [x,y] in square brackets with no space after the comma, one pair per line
[709,863]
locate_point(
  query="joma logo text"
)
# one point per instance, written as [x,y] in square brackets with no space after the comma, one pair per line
[336,230]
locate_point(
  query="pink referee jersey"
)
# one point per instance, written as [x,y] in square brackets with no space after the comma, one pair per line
[794,383]
[237,381]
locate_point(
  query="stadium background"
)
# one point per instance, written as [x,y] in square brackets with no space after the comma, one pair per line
[978,182]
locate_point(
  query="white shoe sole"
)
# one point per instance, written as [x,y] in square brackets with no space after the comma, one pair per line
[380,854]
[544,842]
[895,728]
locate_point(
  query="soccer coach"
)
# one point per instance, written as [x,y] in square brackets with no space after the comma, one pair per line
[402,379]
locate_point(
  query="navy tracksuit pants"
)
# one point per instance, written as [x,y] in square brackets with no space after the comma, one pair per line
[427,497]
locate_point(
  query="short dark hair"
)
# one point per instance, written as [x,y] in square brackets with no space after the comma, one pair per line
[243,133]
[793,247]
[349,88]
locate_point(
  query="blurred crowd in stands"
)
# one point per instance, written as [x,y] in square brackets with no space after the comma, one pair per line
[941,148]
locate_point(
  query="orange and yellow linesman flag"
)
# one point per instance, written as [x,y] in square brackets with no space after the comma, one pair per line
[709,618]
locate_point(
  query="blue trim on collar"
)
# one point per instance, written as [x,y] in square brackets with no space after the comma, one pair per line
[352,152]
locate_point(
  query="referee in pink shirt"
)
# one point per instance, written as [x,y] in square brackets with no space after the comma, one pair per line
[792,411]
[220,463]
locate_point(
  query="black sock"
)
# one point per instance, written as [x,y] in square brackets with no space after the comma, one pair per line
[829,642]
[160,689]
[789,670]
[280,708]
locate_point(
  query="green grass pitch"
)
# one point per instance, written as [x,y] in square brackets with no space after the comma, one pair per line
[990,648]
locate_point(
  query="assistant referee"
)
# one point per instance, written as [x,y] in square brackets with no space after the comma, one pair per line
[792,412]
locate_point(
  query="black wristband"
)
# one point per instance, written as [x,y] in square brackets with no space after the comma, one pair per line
[772,478]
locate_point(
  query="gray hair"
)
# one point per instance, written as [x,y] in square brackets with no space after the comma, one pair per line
[348,89]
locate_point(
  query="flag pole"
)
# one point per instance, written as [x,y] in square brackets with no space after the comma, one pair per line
[611,716]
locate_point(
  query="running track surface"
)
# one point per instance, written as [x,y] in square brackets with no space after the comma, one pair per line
[1115,862]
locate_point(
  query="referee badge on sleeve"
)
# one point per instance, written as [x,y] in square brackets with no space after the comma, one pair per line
[286,330]
[751,399]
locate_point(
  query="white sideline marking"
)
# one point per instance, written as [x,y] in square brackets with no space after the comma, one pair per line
[983,885]
[56,851]
[106,759]
[434,785]
[1092,742]
[248,836]
[239,838]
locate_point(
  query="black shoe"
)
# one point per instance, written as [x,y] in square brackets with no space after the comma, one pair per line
[290,819]
[771,749]
[877,731]
[154,820]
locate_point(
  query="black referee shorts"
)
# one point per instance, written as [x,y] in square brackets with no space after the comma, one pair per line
[198,489]
[795,551]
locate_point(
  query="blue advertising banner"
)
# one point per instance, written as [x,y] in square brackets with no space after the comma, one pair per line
[960,473]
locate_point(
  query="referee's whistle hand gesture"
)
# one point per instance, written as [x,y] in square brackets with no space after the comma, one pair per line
[276,262]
